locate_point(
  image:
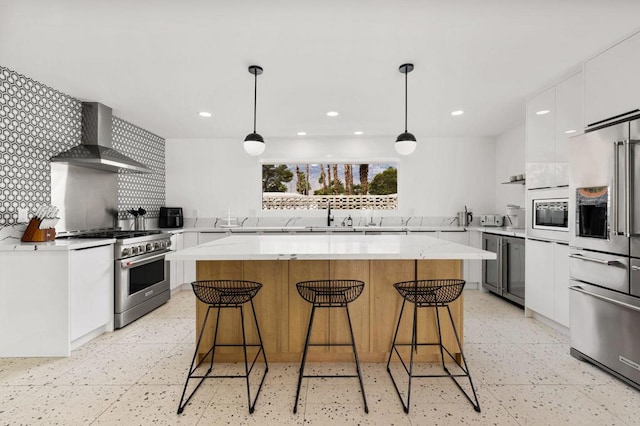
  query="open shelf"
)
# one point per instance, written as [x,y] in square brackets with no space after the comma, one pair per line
[515,182]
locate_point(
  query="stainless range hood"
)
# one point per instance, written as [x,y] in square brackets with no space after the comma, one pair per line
[96,149]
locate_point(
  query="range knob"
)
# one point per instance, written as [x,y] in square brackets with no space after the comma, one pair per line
[141,249]
[125,252]
[134,250]
[149,247]
[156,245]
[168,243]
[161,244]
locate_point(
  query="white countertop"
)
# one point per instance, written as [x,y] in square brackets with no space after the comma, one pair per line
[519,233]
[329,246]
[250,229]
[13,244]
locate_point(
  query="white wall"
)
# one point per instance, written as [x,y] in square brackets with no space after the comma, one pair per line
[438,179]
[510,148]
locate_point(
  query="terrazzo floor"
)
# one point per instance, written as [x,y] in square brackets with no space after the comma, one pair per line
[134,376]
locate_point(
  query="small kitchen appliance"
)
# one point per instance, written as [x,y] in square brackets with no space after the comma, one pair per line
[465,217]
[515,217]
[171,217]
[491,220]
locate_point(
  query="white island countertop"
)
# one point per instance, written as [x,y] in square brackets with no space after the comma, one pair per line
[330,246]
[14,244]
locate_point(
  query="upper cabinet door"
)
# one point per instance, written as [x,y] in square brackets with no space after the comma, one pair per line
[611,81]
[540,142]
[569,123]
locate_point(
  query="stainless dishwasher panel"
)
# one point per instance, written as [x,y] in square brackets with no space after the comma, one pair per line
[604,328]
[605,270]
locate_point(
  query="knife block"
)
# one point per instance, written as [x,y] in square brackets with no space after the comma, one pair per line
[34,234]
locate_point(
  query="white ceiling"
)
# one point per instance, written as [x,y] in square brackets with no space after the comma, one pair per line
[158,63]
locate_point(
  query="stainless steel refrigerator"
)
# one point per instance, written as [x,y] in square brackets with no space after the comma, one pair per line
[604,262]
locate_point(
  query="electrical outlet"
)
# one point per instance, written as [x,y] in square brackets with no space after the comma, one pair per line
[23,215]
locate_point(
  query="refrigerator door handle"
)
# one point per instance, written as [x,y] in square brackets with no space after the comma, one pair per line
[616,189]
[631,187]
[627,189]
[605,298]
[594,260]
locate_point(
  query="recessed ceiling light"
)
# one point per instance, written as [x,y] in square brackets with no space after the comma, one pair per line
[570,131]
[333,114]
[302,133]
[458,112]
[358,132]
[543,112]
[204,114]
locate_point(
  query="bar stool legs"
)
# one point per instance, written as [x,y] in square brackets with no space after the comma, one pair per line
[323,294]
[414,348]
[248,368]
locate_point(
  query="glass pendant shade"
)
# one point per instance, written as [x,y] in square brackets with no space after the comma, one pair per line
[406,143]
[254,144]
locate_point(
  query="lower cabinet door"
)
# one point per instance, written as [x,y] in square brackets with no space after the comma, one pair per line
[539,274]
[561,284]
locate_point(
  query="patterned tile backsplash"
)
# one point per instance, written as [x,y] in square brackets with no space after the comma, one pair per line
[38,122]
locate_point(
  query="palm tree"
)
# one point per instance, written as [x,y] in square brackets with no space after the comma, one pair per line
[348,179]
[336,182]
[364,178]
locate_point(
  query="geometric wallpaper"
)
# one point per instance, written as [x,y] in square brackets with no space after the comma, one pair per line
[137,190]
[38,122]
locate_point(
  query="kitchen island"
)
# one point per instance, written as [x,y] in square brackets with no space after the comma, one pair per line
[279,262]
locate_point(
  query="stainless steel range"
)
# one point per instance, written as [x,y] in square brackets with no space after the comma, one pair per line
[141,272]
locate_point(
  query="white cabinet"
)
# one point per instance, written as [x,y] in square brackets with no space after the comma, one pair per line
[611,79]
[553,117]
[540,140]
[561,284]
[91,290]
[568,123]
[539,277]
[176,267]
[52,301]
[474,270]
[547,279]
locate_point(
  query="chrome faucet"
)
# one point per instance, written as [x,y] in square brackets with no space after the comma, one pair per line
[329,217]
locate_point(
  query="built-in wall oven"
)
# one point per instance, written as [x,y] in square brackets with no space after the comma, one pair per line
[548,214]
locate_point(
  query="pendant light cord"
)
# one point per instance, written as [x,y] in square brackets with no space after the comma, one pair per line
[255,98]
[405,101]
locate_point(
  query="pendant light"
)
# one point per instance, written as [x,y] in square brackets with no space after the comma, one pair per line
[406,142]
[254,143]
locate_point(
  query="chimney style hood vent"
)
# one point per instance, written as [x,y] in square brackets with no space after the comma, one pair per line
[96,150]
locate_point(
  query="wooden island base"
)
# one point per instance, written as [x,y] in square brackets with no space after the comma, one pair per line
[284,316]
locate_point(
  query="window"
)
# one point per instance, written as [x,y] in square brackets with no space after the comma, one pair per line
[346,186]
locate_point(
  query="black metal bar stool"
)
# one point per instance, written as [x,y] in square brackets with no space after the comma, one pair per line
[330,294]
[221,294]
[430,294]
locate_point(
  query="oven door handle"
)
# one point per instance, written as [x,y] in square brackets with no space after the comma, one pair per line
[128,263]
[605,298]
[594,260]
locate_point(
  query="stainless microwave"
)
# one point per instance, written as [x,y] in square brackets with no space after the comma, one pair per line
[551,214]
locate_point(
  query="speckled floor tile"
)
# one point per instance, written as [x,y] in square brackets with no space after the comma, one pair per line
[63,405]
[118,365]
[172,369]
[507,364]
[157,405]
[556,357]
[346,415]
[552,404]
[618,398]
[157,330]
